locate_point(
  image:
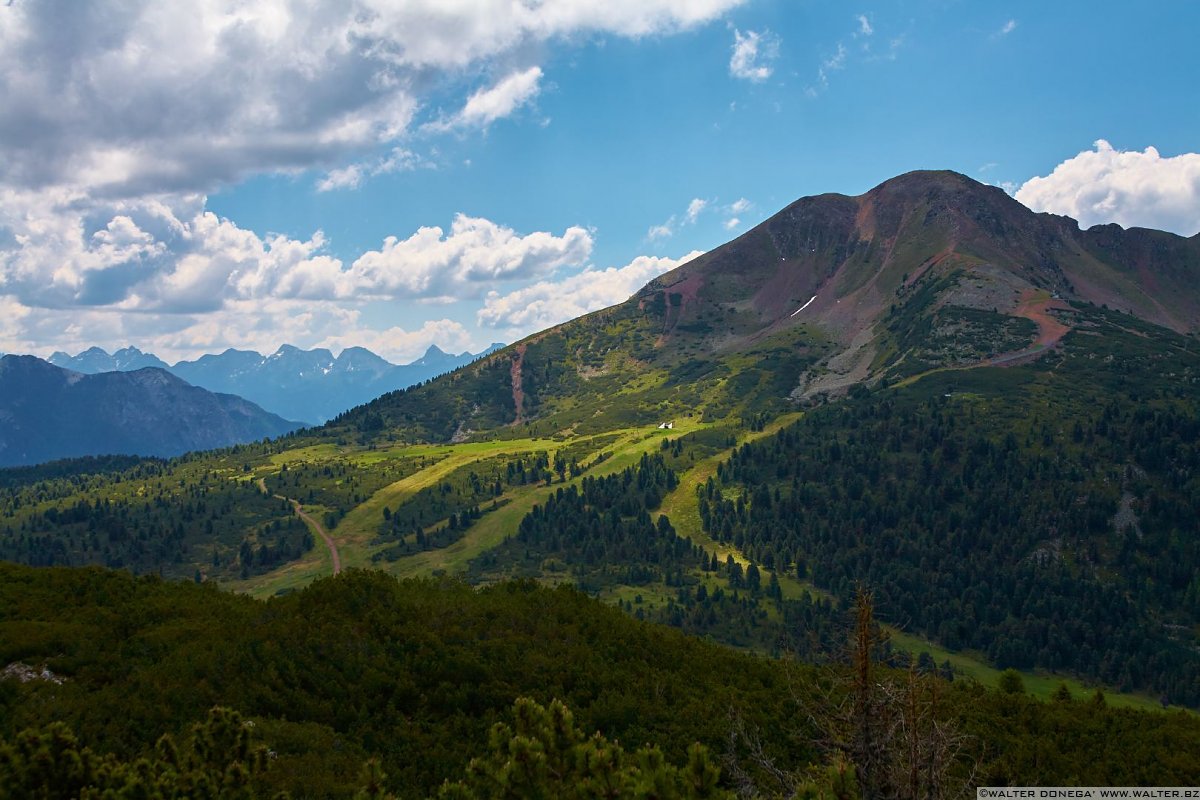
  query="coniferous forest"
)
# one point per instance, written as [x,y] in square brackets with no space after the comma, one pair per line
[1046,535]
[363,675]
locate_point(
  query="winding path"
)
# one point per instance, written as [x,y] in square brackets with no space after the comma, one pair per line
[1035,307]
[312,523]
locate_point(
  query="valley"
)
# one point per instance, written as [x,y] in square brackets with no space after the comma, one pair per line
[566,400]
[948,425]
[358,542]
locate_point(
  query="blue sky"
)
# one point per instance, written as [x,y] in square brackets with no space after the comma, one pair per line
[191,177]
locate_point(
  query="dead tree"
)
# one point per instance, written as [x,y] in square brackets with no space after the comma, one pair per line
[881,734]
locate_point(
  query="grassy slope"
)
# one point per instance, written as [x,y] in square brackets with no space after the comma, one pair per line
[359,528]
[356,532]
[682,508]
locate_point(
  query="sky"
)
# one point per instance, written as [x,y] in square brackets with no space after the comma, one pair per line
[186,177]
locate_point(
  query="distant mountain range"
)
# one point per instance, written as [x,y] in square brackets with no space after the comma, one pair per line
[47,413]
[308,385]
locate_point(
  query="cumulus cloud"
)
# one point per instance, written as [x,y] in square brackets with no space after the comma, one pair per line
[732,223]
[12,328]
[199,262]
[402,346]
[1007,28]
[150,255]
[120,116]
[550,302]
[433,264]
[152,97]
[753,52]
[1128,187]
[254,325]
[172,275]
[864,25]
[260,325]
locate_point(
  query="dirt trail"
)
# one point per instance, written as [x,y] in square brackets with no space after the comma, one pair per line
[312,523]
[1035,307]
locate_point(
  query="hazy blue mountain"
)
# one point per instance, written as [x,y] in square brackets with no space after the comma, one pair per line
[47,412]
[94,360]
[308,385]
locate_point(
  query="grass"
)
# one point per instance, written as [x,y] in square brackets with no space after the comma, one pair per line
[316,452]
[491,530]
[654,596]
[682,507]
[359,527]
[357,531]
[1039,684]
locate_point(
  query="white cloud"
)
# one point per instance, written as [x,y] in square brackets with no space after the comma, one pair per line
[431,264]
[842,56]
[260,325]
[119,116]
[894,46]
[488,105]
[753,52]
[1130,188]
[183,97]
[1007,28]
[663,231]
[173,256]
[834,62]
[667,229]
[12,326]
[401,346]
[350,177]
[550,302]
[733,210]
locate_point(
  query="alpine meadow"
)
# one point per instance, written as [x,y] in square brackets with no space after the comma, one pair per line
[888,495]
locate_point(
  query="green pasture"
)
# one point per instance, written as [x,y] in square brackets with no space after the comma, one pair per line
[358,529]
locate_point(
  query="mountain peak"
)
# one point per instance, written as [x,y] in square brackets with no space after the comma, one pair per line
[96,359]
[942,191]
[928,178]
